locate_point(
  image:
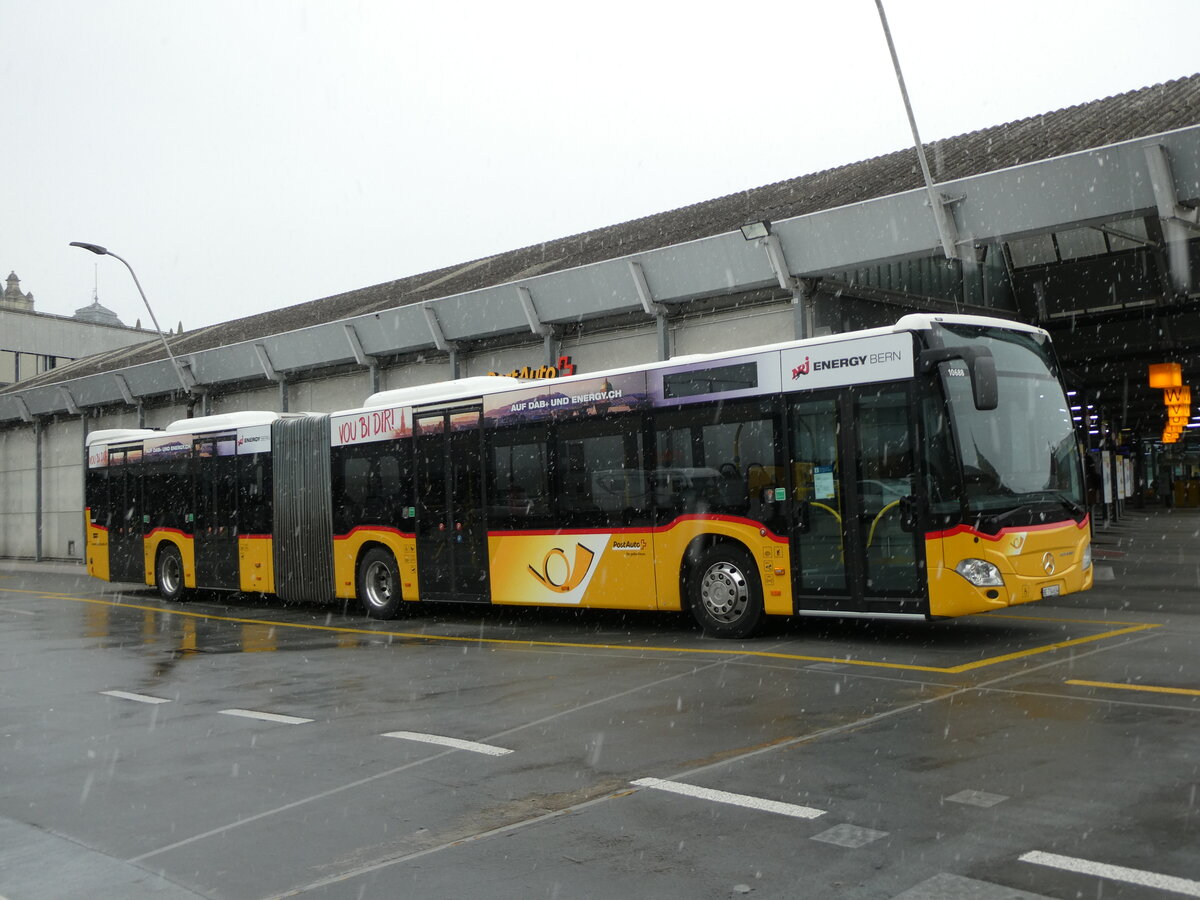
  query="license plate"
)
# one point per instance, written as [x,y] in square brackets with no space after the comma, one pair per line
[1052,591]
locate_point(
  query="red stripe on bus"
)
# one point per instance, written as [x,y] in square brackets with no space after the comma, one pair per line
[967,529]
[182,534]
[658,529]
[389,530]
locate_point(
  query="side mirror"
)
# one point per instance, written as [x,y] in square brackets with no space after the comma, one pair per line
[983,381]
[981,368]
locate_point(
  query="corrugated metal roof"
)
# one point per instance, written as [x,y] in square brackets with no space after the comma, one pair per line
[1152,110]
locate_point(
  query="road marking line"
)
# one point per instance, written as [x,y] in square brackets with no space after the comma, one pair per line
[140,698]
[1115,873]
[457,744]
[265,716]
[1135,687]
[691,790]
[637,648]
[20,612]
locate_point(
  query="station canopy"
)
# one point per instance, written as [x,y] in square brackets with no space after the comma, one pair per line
[1082,221]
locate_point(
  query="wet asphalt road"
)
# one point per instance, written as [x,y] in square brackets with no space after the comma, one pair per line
[233,748]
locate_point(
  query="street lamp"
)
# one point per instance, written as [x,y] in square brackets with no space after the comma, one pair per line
[103,251]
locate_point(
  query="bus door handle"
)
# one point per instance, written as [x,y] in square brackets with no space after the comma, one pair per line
[908,513]
[803,517]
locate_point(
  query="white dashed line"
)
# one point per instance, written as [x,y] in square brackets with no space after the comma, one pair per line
[689,790]
[448,742]
[1116,873]
[140,698]
[265,716]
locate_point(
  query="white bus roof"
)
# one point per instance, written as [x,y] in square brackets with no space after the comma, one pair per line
[480,385]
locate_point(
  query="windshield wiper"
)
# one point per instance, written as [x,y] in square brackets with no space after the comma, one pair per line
[1075,508]
[1034,505]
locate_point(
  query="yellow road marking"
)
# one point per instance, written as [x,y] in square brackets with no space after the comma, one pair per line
[1136,687]
[759,654]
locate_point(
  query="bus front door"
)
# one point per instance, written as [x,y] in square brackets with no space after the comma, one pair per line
[452,552]
[853,546]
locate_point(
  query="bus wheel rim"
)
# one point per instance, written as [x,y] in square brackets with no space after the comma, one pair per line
[378,584]
[725,592]
[170,573]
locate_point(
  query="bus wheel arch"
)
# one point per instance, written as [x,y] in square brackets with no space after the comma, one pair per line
[723,587]
[377,582]
[168,572]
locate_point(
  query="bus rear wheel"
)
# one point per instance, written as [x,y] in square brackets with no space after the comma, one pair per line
[168,573]
[379,584]
[725,592]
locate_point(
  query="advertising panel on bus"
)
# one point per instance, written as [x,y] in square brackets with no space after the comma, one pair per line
[369,425]
[886,357]
[566,401]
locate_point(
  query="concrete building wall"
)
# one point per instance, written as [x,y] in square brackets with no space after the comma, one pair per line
[734,329]
[62,489]
[63,336]
[18,491]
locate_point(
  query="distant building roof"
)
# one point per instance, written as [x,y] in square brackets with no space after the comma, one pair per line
[97,314]
[1151,110]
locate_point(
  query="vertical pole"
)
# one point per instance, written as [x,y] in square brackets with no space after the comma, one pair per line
[940,215]
[37,488]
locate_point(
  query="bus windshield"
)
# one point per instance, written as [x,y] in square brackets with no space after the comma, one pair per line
[1019,462]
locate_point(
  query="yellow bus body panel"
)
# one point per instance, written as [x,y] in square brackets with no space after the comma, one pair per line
[628,569]
[348,547]
[97,547]
[588,569]
[256,568]
[186,545]
[1031,560]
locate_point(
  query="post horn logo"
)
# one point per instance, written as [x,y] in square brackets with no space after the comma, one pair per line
[563,576]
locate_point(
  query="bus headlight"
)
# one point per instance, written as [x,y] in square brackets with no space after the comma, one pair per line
[1087,557]
[980,573]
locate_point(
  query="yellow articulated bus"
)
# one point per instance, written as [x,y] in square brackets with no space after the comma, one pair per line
[923,470]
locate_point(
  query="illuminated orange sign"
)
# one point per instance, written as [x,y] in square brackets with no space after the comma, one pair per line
[1165,375]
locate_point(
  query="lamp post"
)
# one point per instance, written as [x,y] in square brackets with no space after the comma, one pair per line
[104,251]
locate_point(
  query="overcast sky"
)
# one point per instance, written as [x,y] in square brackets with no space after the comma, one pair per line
[245,156]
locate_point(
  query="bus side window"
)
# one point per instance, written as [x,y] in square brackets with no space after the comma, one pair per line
[519,475]
[602,480]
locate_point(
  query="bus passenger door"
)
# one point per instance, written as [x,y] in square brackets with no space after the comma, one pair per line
[126,559]
[886,498]
[216,514]
[819,511]
[452,552]
[854,547]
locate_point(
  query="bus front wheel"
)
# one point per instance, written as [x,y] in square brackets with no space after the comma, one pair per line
[379,584]
[725,592]
[168,573]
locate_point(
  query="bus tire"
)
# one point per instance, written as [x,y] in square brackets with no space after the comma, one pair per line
[379,584]
[168,573]
[725,592]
